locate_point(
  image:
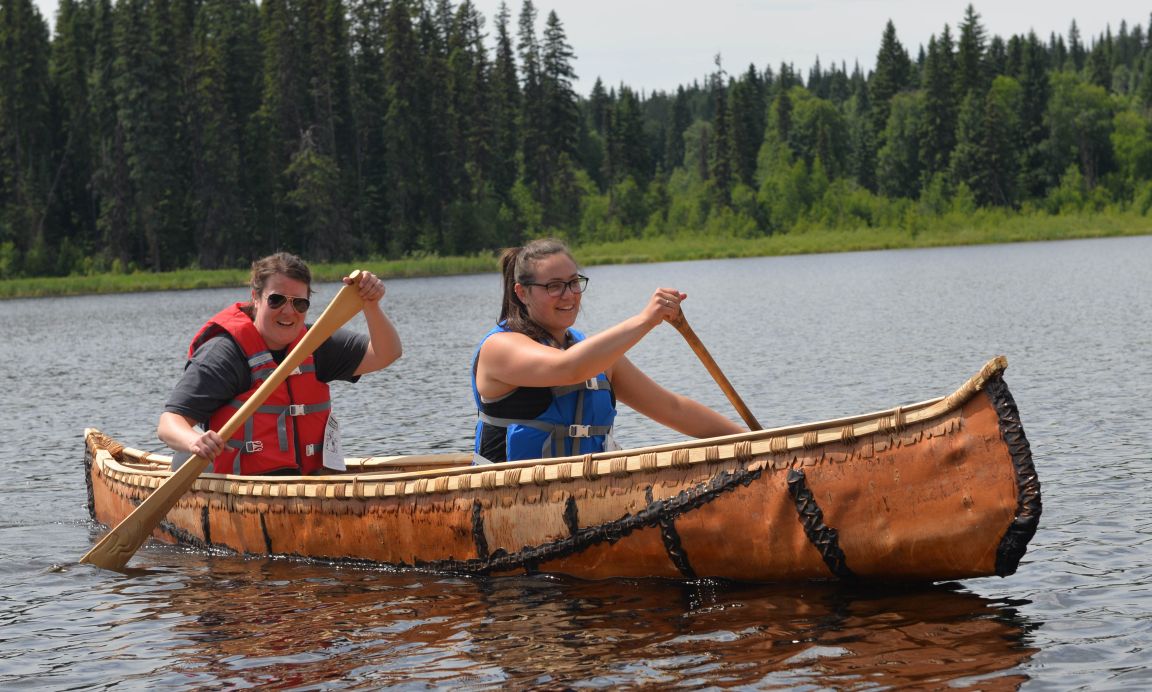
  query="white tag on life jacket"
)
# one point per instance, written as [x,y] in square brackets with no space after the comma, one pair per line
[610,444]
[333,451]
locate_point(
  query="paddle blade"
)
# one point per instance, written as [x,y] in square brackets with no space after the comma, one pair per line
[117,547]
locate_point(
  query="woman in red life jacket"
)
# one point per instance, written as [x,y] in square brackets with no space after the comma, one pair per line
[544,389]
[239,347]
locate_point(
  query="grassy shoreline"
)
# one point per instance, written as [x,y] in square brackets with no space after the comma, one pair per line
[1004,229]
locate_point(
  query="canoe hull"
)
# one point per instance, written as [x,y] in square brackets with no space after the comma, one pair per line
[940,491]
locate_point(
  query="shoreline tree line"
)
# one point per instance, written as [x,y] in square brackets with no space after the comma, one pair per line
[162,134]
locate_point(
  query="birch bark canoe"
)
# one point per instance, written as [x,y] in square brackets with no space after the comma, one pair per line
[940,490]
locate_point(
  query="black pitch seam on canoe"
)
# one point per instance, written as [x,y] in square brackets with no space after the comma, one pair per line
[672,545]
[824,538]
[685,501]
[88,481]
[1028,504]
[571,515]
[206,524]
[264,530]
[478,529]
[183,537]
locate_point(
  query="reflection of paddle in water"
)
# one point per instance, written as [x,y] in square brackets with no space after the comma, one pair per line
[262,622]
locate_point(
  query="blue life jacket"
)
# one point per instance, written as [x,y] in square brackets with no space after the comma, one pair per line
[568,421]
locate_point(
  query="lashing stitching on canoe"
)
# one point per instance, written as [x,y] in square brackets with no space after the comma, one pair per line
[824,538]
[589,470]
[711,454]
[563,473]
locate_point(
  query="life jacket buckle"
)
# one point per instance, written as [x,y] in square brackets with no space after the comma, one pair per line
[297,409]
[253,446]
[593,384]
[579,431]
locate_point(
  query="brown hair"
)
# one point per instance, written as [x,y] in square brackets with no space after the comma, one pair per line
[284,263]
[517,265]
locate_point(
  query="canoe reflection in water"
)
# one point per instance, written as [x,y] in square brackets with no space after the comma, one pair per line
[261,622]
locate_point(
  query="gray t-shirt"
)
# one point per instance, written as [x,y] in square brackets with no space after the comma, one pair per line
[218,371]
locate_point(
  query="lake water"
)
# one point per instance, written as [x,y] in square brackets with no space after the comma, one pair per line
[801,338]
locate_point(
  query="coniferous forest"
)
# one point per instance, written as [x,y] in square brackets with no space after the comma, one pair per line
[160,134]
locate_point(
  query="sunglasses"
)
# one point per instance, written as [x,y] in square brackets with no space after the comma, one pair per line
[556,288]
[277,300]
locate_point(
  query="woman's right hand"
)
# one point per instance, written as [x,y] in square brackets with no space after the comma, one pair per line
[207,445]
[663,305]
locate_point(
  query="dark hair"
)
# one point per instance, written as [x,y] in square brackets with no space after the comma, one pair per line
[517,265]
[284,263]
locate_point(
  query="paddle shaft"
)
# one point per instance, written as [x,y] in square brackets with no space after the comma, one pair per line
[681,324]
[121,543]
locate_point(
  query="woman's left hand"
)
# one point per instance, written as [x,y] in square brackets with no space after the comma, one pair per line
[370,286]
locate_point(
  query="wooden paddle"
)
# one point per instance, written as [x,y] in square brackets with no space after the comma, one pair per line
[681,324]
[118,545]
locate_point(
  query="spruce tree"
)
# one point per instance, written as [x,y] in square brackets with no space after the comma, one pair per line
[551,126]
[971,69]
[402,133]
[721,166]
[1034,170]
[505,105]
[893,74]
[679,120]
[25,140]
[938,136]
[748,108]
[73,228]
[223,98]
[366,35]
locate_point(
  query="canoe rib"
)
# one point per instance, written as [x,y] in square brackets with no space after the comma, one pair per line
[942,489]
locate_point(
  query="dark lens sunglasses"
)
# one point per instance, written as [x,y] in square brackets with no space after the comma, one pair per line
[277,300]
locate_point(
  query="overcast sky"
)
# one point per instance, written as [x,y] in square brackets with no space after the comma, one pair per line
[658,44]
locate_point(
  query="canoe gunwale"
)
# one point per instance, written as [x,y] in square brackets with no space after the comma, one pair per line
[375,483]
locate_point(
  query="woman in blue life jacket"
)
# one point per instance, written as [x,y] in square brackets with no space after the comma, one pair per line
[544,389]
[293,432]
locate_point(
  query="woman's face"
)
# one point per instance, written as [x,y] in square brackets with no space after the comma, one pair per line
[279,326]
[554,313]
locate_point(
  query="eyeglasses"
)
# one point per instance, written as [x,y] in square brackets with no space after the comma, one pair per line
[277,300]
[556,288]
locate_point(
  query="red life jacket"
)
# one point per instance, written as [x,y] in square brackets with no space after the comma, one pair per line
[287,430]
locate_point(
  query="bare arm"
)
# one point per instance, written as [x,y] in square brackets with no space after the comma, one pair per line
[673,410]
[509,360]
[383,341]
[178,433]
